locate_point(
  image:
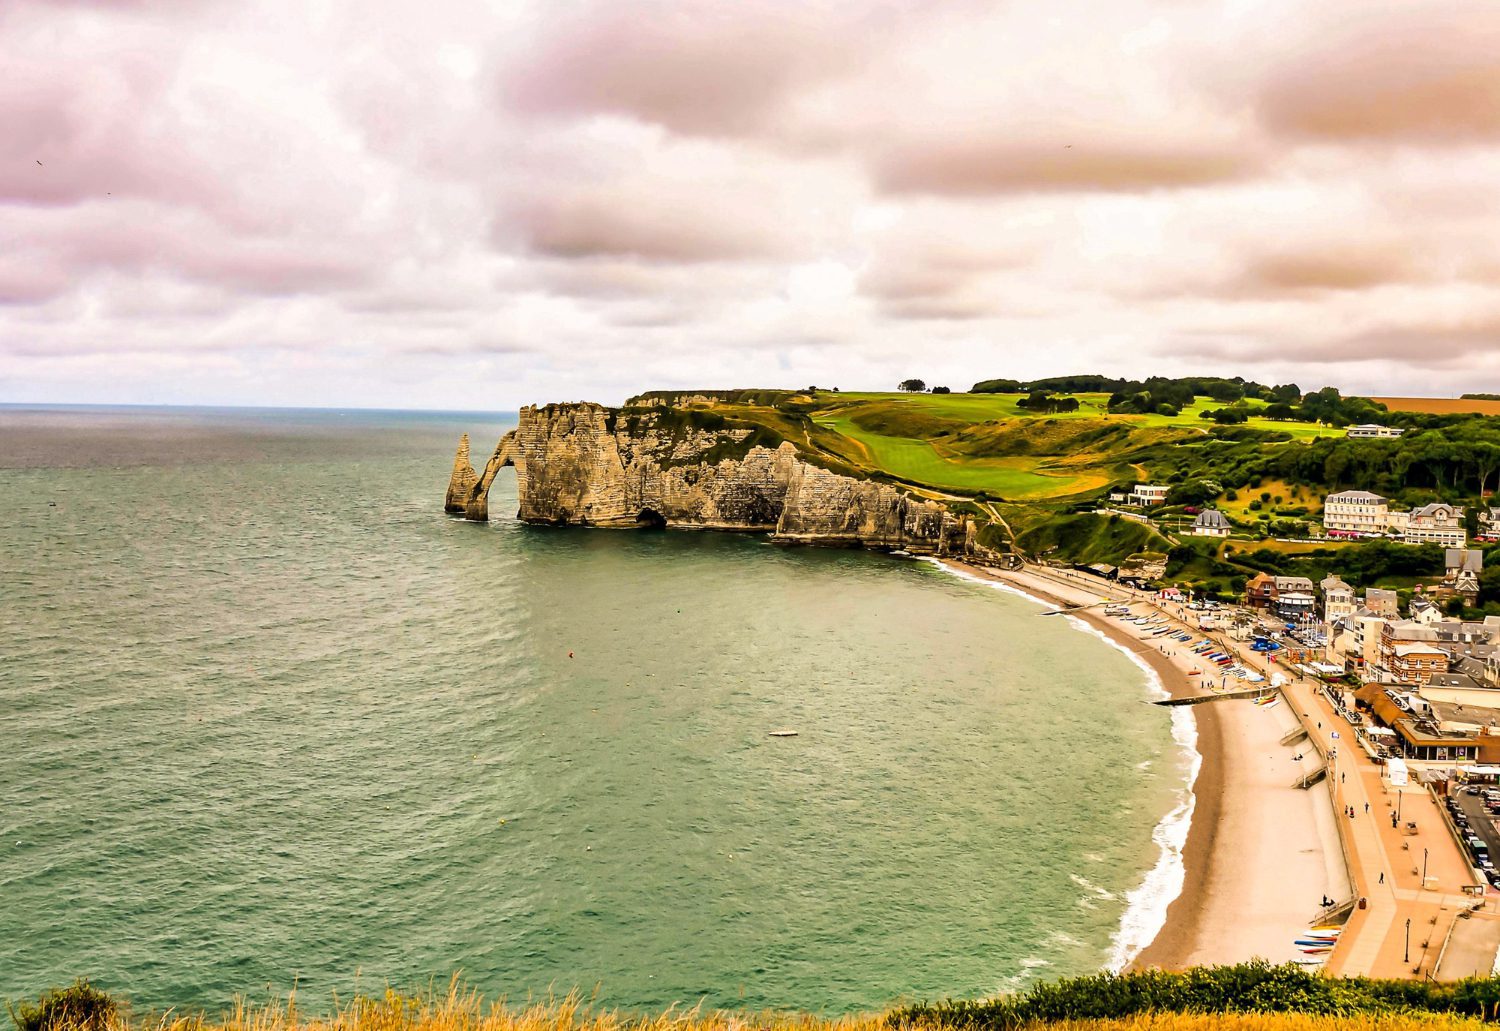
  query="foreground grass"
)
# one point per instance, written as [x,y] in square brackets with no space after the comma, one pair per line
[1273,1022]
[457,1009]
[1255,996]
[461,1010]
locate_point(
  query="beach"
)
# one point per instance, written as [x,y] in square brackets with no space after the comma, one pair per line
[1259,853]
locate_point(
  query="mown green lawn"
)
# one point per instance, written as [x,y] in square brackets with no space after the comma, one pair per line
[1021,477]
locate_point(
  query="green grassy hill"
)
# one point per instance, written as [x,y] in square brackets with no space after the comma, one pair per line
[1034,473]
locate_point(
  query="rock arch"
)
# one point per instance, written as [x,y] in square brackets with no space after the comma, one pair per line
[469,492]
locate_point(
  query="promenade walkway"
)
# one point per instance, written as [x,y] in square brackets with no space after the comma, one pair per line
[1401,929]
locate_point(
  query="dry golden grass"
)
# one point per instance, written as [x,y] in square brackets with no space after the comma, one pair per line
[1273,1022]
[1440,405]
[461,1009]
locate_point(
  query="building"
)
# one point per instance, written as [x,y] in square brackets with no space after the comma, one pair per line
[1488,525]
[1424,610]
[1355,513]
[1293,600]
[1413,662]
[1354,643]
[1295,606]
[1366,629]
[1211,523]
[1437,523]
[1371,431]
[1260,591]
[1382,602]
[1461,689]
[1410,653]
[1421,733]
[1338,598]
[1147,494]
[1462,567]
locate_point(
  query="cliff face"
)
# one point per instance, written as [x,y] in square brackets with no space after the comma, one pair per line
[587,465]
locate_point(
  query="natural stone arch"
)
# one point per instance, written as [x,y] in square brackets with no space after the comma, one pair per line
[468,492]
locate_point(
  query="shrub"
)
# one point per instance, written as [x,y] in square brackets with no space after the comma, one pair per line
[1255,987]
[79,1007]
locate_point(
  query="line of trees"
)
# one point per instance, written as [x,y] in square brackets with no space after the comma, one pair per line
[1458,460]
[1043,401]
[1148,395]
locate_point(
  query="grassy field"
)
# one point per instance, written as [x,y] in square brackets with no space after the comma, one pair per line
[982,407]
[1291,495]
[985,443]
[929,462]
[1440,405]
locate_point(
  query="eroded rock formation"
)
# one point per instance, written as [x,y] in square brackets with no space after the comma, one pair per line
[588,465]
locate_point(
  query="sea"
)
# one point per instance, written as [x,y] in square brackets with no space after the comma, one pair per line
[271,721]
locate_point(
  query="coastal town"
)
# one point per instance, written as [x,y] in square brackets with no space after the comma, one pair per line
[1393,709]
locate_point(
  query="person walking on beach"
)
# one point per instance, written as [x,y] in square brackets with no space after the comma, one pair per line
[1382,877]
[1367,808]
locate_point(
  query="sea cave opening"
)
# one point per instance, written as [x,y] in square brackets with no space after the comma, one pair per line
[650,519]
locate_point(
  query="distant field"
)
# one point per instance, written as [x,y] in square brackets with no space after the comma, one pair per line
[982,407]
[986,443]
[1440,405]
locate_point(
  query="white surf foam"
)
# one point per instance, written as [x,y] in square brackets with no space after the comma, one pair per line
[1146,904]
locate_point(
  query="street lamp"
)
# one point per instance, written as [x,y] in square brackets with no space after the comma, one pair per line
[1424,868]
[1407,959]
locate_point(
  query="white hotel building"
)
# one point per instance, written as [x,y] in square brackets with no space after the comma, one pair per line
[1356,511]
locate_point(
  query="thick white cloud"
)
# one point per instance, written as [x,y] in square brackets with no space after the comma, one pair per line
[451,202]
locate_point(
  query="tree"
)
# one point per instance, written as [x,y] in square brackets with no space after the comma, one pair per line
[912,386]
[1485,458]
[941,390]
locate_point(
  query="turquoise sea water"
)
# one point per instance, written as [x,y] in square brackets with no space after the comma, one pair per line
[270,718]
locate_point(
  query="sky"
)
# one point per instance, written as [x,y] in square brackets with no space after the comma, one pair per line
[478,205]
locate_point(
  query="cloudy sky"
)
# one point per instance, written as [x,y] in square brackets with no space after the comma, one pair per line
[446,203]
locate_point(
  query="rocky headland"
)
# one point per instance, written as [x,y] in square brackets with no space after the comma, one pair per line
[652,464]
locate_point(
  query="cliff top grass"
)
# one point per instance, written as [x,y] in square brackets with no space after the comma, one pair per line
[976,445]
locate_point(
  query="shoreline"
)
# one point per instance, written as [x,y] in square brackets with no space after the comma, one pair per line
[1180,929]
[1245,859]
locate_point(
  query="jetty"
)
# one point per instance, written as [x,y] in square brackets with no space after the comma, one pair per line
[1217,696]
